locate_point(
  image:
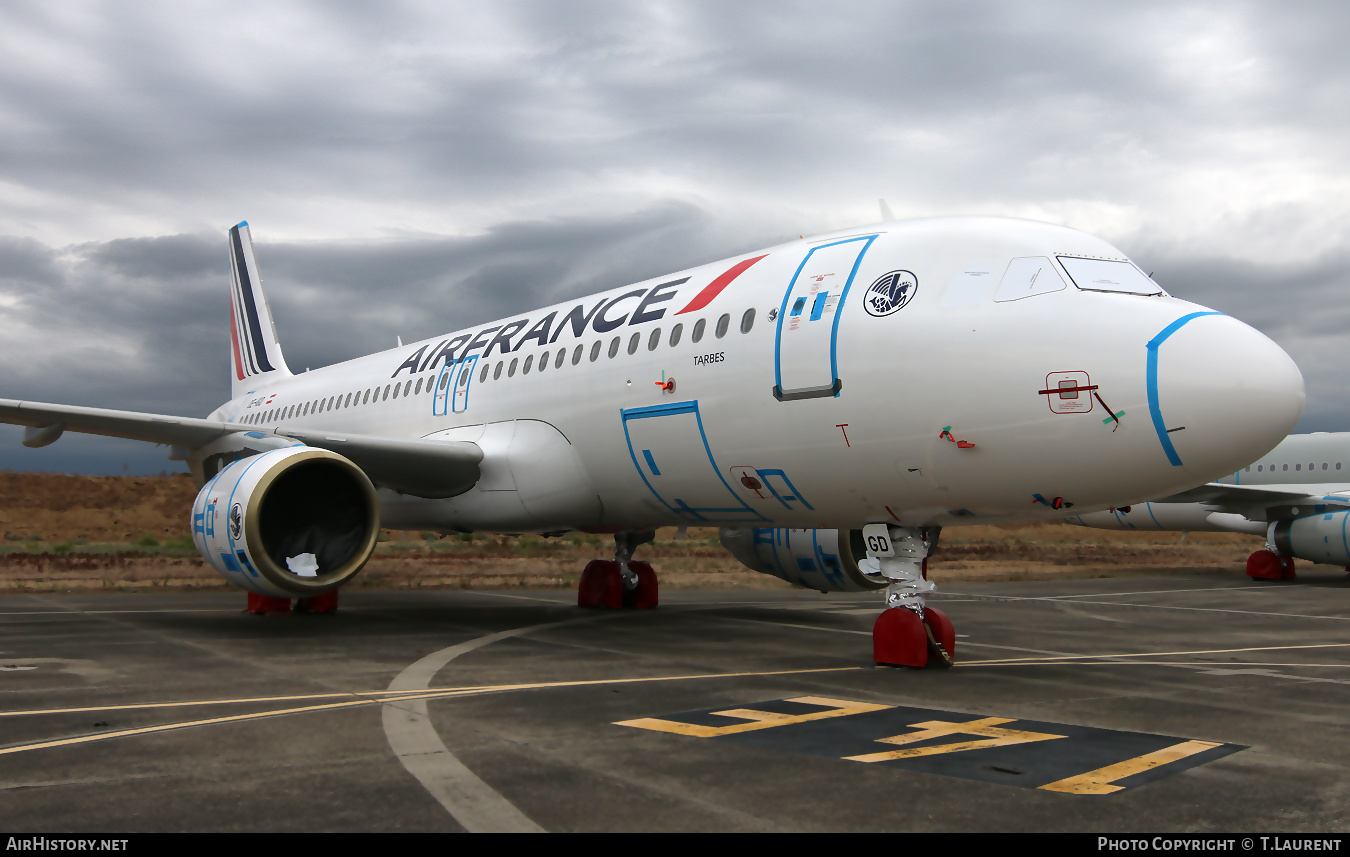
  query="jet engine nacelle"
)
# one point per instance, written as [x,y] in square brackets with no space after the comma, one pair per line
[825,560]
[287,523]
[1323,538]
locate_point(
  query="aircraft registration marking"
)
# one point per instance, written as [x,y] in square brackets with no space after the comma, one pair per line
[1057,757]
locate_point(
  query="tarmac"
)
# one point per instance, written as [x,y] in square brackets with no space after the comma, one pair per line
[1203,704]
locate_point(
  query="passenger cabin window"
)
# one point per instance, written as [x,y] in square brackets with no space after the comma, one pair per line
[1105,275]
[497,373]
[634,341]
[675,335]
[576,355]
[511,370]
[613,347]
[482,376]
[697,334]
[595,351]
[723,324]
[529,361]
[654,340]
[748,320]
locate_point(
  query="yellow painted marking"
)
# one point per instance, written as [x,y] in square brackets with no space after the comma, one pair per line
[1100,781]
[1154,654]
[987,727]
[365,698]
[757,719]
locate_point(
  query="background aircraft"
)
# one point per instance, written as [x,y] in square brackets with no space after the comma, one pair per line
[1297,496]
[830,403]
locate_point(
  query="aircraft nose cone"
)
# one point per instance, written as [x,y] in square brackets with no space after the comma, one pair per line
[1220,393]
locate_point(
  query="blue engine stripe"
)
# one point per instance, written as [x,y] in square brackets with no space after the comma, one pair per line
[1152,382]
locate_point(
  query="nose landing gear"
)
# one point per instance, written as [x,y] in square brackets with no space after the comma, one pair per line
[908,633]
[620,582]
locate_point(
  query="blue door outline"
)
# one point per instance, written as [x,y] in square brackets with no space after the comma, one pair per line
[440,401]
[815,312]
[451,395]
[736,510]
[460,383]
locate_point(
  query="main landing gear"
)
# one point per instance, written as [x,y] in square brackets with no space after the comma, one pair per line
[908,633]
[266,605]
[1269,564]
[620,582]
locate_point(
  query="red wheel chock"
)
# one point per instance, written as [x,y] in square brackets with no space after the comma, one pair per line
[1287,572]
[266,605]
[601,585]
[899,639]
[1265,565]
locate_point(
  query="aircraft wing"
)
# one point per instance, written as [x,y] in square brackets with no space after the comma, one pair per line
[434,469]
[423,468]
[154,428]
[1265,502]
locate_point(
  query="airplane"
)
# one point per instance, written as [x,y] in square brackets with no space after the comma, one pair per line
[829,403]
[1297,496]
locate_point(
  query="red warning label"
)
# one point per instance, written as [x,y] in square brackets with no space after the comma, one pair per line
[1069,392]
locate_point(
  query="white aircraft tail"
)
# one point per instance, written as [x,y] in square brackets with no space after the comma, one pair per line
[253,336]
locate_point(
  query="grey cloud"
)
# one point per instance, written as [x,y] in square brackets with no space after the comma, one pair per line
[524,153]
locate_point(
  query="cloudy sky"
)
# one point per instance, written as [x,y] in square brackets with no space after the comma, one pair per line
[412,167]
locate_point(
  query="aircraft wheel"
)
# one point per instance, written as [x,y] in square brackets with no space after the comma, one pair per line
[645,596]
[325,603]
[1265,565]
[601,585]
[900,639]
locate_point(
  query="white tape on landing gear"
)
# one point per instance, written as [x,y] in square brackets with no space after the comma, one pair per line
[473,803]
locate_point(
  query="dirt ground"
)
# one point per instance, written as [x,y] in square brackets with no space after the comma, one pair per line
[81,533]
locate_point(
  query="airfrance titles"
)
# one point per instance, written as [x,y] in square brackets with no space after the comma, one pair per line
[608,313]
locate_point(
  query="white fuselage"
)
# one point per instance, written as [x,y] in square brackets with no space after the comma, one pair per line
[794,404]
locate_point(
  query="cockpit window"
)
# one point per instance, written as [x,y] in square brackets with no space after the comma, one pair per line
[1027,276]
[1104,275]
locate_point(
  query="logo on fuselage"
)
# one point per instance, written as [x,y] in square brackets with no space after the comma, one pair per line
[890,293]
[236,521]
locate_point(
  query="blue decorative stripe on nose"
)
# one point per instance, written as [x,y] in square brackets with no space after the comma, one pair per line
[1152,382]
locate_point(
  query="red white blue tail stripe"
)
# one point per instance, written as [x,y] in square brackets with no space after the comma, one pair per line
[254,347]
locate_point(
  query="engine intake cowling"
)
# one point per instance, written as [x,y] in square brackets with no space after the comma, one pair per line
[288,523]
[825,560]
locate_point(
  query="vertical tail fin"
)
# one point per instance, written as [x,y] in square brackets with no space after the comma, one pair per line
[253,337]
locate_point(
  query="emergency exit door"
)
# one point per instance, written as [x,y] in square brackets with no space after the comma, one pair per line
[805,361]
